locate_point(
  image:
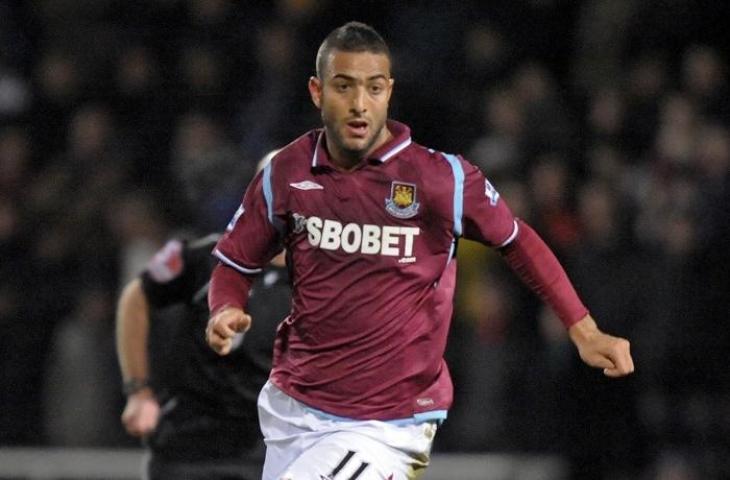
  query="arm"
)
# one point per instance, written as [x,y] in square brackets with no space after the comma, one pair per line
[226,299]
[132,330]
[488,219]
[250,242]
[536,265]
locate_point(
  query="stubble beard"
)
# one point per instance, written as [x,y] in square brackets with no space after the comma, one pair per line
[351,153]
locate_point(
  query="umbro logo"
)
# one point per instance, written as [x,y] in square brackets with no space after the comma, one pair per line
[307,185]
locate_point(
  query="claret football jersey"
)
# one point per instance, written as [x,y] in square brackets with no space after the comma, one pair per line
[371,254]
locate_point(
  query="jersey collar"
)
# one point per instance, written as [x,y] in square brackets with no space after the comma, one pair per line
[401,140]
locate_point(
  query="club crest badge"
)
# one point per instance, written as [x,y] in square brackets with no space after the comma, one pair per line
[402,202]
[491,193]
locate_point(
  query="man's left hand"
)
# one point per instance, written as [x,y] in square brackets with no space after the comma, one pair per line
[601,350]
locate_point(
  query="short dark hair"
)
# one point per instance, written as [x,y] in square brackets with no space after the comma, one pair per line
[351,37]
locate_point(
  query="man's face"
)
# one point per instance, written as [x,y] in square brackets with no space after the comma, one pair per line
[353,96]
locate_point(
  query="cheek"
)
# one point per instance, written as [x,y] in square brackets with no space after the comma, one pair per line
[380,103]
[332,110]
[380,109]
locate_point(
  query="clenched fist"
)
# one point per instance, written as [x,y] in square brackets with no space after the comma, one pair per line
[223,326]
[141,413]
[601,350]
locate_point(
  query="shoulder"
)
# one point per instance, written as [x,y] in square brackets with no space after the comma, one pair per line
[299,152]
[434,162]
[168,263]
[179,256]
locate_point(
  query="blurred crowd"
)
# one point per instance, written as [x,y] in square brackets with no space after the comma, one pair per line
[604,123]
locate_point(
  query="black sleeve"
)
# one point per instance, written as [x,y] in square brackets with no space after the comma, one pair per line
[178,271]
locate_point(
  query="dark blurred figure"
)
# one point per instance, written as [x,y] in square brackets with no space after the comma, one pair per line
[483,62]
[209,169]
[80,403]
[271,117]
[141,107]
[552,183]
[704,79]
[17,416]
[646,84]
[57,91]
[499,149]
[548,126]
[605,438]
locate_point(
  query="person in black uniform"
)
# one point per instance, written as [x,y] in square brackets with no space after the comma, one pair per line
[198,418]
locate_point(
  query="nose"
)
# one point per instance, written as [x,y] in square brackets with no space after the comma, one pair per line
[358,100]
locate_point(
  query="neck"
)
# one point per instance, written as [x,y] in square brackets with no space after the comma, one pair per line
[344,160]
[348,160]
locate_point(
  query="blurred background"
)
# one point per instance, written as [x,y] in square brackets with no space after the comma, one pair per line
[604,123]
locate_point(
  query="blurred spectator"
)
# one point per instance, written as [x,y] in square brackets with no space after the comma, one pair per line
[202,84]
[410,30]
[646,82]
[56,92]
[280,105]
[483,61]
[499,151]
[15,52]
[209,169]
[141,105]
[605,117]
[547,126]
[551,182]
[139,229]
[81,181]
[611,278]
[37,288]
[14,94]
[18,386]
[704,78]
[600,40]
[81,397]
[15,161]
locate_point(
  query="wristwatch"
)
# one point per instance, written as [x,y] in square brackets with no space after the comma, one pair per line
[134,385]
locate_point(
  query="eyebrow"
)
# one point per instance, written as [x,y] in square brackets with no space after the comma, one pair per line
[349,77]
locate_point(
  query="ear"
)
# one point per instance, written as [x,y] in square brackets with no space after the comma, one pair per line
[315,91]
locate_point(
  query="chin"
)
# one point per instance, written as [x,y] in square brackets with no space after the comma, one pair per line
[357,153]
[357,149]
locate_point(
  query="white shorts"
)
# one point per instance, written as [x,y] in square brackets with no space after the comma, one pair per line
[303,444]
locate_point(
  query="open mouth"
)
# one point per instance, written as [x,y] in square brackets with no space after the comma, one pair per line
[357,128]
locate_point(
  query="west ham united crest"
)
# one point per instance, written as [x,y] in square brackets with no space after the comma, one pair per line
[402,202]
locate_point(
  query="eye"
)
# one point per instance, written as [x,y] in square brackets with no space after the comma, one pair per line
[376,89]
[341,87]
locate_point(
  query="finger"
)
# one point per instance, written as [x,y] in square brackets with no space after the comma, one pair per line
[134,429]
[621,358]
[225,348]
[601,361]
[213,336]
[223,330]
[221,345]
[623,367]
[215,341]
[242,323]
[209,334]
